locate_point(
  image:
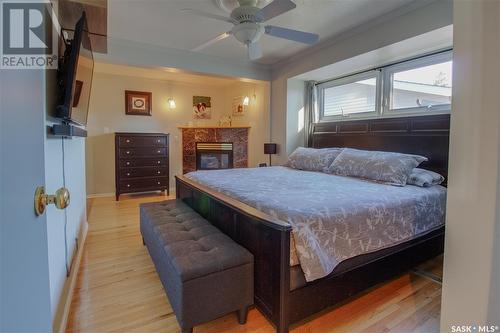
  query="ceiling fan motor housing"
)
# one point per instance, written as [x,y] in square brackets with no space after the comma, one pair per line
[245,14]
[247,32]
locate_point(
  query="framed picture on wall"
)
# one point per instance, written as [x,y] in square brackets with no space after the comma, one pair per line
[138,103]
[237,107]
[202,107]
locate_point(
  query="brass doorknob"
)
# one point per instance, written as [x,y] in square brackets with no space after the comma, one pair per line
[60,199]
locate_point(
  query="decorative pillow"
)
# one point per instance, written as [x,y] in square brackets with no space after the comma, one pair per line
[311,159]
[424,178]
[386,167]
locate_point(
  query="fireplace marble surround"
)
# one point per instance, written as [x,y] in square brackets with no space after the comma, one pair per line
[191,135]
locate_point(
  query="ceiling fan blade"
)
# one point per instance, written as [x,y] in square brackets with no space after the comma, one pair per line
[295,35]
[210,15]
[212,41]
[254,51]
[275,8]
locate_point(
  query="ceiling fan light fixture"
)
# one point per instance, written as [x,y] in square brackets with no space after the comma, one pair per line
[247,32]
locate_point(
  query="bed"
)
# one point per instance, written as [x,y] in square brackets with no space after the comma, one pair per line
[270,211]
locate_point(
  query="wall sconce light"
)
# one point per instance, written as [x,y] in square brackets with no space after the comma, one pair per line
[246,100]
[171,103]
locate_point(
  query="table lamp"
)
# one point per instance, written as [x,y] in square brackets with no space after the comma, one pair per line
[270,149]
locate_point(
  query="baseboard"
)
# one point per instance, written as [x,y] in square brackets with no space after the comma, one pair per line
[106,195]
[61,318]
[100,195]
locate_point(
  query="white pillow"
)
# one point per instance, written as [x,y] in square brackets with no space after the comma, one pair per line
[381,166]
[424,178]
[312,159]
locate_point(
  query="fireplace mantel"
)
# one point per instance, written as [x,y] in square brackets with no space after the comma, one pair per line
[237,135]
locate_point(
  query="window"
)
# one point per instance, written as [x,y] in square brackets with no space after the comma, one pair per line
[352,96]
[422,85]
[412,87]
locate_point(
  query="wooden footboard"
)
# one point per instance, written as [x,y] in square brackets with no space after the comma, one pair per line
[267,238]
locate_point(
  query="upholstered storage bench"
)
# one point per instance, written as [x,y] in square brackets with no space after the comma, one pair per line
[204,272]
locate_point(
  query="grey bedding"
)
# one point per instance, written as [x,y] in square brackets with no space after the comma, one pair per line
[333,218]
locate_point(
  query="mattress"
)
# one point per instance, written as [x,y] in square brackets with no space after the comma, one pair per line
[333,218]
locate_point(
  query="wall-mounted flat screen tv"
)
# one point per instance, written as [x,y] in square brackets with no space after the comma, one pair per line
[76,71]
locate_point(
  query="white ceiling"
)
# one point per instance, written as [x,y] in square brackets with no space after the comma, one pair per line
[162,23]
[168,74]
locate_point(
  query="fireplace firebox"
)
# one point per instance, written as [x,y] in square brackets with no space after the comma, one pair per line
[214,155]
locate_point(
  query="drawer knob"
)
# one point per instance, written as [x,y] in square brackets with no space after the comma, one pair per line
[128,152]
[128,173]
[128,163]
[159,162]
[158,172]
[159,140]
[159,151]
[159,183]
[128,185]
[127,141]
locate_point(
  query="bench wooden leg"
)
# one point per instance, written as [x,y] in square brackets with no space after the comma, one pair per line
[242,315]
[143,242]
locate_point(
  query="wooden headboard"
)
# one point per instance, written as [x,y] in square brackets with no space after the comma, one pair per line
[424,135]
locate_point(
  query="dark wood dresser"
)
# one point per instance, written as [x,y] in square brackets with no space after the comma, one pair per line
[141,162]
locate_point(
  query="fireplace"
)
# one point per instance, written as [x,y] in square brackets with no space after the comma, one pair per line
[236,136]
[214,155]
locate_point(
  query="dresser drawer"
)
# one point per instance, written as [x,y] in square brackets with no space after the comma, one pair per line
[159,183]
[142,152]
[143,172]
[142,162]
[142,141]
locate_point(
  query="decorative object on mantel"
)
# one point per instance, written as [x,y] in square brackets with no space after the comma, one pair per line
[270,149]
[202,107]
[138,103]
[246,101]
[225,121]
[238,106]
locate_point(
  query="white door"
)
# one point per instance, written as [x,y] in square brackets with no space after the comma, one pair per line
[36,251]
[25,286]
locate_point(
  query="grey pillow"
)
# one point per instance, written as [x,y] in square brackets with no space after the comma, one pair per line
[424,178]
[312,159]
[386,167]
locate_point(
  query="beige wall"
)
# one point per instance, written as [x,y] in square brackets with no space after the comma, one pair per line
[107,115]
[471,292]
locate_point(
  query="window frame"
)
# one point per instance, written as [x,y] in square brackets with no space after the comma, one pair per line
[383,91]
[347,80]
[389,71]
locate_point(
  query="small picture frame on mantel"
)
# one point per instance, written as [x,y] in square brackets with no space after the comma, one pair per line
[138,103]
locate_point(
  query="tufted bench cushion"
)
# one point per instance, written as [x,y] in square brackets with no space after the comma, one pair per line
[204,272]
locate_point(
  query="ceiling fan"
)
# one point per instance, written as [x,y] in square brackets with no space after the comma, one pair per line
[248,26]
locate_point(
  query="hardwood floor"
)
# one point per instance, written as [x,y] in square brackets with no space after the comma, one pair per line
[118,289]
